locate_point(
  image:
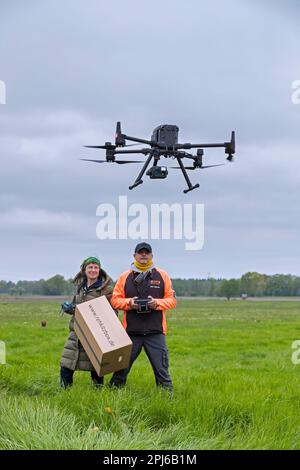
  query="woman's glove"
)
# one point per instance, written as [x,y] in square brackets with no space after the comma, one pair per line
[68,307]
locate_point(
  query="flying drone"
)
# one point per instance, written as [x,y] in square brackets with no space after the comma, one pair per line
[163,143]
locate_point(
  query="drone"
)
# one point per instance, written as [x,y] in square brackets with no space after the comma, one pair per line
[163,143]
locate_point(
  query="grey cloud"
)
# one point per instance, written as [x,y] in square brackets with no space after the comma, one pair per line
[73,69]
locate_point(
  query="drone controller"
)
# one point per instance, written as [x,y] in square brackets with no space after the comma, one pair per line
[143,306]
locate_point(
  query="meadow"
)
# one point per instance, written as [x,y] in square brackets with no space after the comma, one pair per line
[235,386]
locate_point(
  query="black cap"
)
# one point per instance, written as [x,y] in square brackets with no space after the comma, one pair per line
[143,246]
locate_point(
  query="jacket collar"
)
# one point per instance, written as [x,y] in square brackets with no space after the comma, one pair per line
[102,281]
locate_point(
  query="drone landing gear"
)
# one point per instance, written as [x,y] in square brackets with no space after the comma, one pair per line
[191,188]
[187,179]
[139,180]
[135,184]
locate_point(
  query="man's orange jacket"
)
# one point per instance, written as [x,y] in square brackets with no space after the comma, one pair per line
[159,286]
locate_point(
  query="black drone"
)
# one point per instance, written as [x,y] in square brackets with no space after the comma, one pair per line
[163,143]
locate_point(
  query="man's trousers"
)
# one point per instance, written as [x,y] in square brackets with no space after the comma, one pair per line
[157,352]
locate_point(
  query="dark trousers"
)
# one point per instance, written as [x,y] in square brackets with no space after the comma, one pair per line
[66,377]
[157,352]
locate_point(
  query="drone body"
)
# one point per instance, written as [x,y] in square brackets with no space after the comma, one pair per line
[163,143]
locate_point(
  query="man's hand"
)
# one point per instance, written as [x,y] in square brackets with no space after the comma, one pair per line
[132,304]
[152,302]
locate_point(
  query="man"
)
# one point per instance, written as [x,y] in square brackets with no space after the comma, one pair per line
[146,328]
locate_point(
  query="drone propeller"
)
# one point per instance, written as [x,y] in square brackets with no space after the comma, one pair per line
[128,161]
[130,145]
[210,166]
[196,167]
[120,162]
[108,146]
[100,146]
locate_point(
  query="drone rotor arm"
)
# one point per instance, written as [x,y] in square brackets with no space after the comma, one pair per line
[141,141]
[143,151]
[194,146]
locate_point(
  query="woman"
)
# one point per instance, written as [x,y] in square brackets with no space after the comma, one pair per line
[91,282]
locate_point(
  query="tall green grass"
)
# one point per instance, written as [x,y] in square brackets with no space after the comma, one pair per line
[235,385]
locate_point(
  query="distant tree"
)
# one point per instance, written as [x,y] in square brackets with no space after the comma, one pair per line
[55,285]
[17,290]
[230,288]
[253,284]
[212,287]
[3,287]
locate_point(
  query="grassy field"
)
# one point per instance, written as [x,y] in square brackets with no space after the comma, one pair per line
[235,384]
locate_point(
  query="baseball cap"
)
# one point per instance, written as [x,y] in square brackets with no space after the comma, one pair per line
[143,246]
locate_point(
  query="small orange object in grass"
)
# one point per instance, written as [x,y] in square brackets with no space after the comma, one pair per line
[108,410]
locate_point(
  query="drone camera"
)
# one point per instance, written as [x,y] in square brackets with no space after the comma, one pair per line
[157,172]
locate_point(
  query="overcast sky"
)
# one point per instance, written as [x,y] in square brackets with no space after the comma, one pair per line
[73,68]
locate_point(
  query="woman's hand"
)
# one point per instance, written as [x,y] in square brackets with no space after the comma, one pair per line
[68,307]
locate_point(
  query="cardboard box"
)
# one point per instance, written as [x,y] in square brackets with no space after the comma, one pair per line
[102,335]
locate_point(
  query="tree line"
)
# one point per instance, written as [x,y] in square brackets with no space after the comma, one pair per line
[251,284]
[56,285]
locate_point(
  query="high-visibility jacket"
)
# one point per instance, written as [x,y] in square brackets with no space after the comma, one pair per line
[158,286]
